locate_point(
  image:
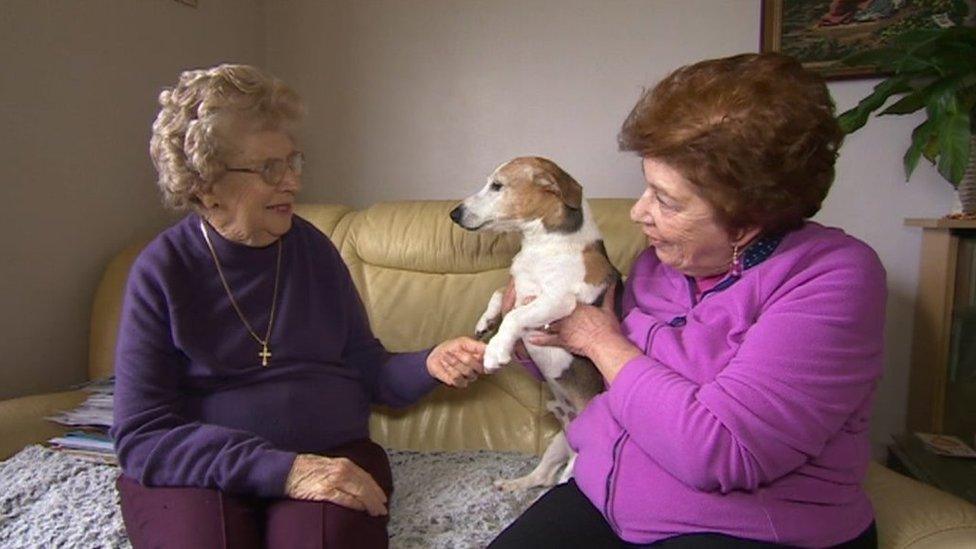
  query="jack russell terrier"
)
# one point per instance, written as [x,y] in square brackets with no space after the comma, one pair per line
[562,262]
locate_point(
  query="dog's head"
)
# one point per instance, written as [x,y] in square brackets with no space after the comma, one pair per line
[521,192]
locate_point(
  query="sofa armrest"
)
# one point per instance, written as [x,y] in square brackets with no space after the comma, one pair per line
[22,419]
[916,515]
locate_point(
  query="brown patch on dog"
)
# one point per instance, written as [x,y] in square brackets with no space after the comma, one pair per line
[530,201]
[597,264]
[550,176]
[544,191]
[580,382]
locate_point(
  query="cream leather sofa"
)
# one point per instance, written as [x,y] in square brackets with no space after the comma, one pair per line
[424,280]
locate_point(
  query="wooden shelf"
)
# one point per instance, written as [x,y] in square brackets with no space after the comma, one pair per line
[946,271]
[941,223]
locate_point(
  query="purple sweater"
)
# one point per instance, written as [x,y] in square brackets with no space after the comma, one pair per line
[749,414]
[194,406]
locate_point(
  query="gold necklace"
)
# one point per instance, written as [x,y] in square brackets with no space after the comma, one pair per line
[265,354]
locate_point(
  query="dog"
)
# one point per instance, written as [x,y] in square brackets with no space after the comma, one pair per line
[562,262]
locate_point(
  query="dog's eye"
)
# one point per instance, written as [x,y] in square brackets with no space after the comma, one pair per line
[495,186]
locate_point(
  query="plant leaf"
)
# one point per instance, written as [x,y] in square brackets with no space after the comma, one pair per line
[922,135]
[916,38]
[894,61]
[953,60]
[856,117]
[938,110]
[914,101]
[947,50]
[917,66]
[910,103]
[954,147]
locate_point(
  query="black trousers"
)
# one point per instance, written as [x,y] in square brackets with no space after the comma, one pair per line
[563,517]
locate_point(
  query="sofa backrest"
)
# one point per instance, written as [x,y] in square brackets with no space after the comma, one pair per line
[423,280]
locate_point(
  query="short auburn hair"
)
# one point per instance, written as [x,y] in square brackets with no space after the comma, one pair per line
[754,133]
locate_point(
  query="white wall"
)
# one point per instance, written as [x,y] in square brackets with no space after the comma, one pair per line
[78,87]
[422,99]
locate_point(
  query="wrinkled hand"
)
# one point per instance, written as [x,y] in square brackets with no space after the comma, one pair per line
[587,326]
[337,480]
[593,332]
[457,362]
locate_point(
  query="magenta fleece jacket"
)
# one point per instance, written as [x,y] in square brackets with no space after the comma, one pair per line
[748,413]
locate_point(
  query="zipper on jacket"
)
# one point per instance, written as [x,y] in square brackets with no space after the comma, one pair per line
[692,290]
[612,481]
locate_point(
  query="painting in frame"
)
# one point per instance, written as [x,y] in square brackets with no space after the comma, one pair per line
[822,32]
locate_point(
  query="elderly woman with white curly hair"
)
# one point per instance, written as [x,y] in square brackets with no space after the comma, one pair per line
[245,364]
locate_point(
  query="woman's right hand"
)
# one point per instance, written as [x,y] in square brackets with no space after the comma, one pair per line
[337,480]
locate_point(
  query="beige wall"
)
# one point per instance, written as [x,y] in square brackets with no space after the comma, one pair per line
[78,85]
[421,99]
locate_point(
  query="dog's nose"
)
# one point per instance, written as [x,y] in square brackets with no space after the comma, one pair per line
[456,214]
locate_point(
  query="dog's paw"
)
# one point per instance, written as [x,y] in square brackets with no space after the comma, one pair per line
[491,364]
[519,484]
[496,356]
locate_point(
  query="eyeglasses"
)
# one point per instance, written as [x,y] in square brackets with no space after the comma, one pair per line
[273,171]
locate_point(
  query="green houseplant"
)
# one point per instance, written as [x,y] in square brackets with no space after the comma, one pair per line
[935,70]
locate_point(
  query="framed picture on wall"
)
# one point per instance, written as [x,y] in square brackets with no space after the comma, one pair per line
[822,32]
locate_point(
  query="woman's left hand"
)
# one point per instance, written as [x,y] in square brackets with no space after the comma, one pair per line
[457,362]
[593,332]
[583,329]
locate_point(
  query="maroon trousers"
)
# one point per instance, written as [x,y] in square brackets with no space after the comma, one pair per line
[200,517]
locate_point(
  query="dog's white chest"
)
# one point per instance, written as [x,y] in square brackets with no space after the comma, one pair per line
[537,271]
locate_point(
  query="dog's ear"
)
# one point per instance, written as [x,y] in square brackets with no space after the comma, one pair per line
[564,186]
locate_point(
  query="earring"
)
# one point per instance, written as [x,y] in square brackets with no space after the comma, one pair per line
[735,269]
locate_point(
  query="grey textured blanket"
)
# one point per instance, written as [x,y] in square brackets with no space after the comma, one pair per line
[442,500]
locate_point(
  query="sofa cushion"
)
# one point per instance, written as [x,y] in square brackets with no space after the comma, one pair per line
[106,311]
[22,420]
[916,515]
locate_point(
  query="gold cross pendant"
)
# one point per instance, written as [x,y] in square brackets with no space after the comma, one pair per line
[264,354]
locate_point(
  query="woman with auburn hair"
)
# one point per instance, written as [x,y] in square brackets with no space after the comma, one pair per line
[741,374]
[245,364]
